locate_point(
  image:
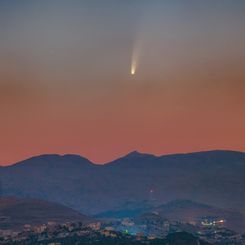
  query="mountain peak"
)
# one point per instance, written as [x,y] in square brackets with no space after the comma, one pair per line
[134,154]
[54,160]
[133,157]
[137,154]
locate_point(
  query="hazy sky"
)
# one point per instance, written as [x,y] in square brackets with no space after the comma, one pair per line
[66,87]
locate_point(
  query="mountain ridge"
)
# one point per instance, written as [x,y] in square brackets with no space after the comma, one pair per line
[213,177]
[129,155]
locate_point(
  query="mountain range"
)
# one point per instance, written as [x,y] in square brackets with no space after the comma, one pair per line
[216,178]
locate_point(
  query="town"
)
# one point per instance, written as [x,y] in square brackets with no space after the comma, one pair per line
[150,230]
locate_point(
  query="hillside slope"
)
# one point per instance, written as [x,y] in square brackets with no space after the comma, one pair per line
[16,212]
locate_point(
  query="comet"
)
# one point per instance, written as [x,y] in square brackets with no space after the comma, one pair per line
[133,68]
[135,58]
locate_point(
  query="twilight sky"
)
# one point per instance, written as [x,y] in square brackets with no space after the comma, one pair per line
[66,83]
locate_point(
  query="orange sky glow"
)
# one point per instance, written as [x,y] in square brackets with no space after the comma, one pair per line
[66,83]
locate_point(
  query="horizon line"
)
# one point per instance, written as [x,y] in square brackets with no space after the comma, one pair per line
[121,156]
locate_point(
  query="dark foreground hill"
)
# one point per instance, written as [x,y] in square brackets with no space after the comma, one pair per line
[216,178]
[86,236]
[180,238]
[16,212]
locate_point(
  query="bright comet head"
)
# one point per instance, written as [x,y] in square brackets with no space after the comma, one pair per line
[132,71]
[133,68]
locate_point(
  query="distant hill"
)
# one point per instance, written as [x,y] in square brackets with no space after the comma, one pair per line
[128,209]
[215,177]
[184,211]
[16,212]
[189,211]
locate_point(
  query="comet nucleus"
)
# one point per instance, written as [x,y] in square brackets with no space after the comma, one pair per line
[133,65]
[133,70]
